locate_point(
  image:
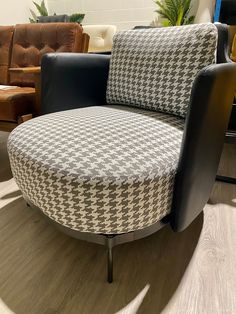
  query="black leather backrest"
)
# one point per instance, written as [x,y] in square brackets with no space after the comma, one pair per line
[211,102]
[72,80]
[206,124]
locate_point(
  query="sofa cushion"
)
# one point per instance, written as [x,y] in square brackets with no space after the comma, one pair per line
[32,41]
[101,37]
[6,34]
[155,68]
[16,102]
[107,169]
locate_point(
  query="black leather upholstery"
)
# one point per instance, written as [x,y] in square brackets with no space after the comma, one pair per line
[71,81]
[206,124]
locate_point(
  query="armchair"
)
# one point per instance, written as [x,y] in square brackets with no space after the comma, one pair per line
[101,37]
[14,101]
[6,35]
[30,42]
[129,143]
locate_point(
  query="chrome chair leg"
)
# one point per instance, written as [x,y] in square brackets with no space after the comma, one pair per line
[110,259]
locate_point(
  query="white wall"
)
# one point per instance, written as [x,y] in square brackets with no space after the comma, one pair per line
[205,11]
[123,13]
[14,11]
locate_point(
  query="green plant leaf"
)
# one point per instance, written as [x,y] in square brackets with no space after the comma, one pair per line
[40,8]
[176,12]
[189,20]
[43,7]
[32,20]
[77,17]
[33,15]
[166,23]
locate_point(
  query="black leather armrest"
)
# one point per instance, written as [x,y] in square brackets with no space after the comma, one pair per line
[72,80]
[206,124]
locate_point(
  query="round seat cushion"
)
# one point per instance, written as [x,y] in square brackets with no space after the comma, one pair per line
[107,169]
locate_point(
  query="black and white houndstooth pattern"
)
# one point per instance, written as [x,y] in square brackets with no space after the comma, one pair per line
[107,169]
[155,68]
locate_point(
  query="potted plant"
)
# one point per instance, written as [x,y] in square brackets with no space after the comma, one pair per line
[175,12]
[77,18]
[42,10]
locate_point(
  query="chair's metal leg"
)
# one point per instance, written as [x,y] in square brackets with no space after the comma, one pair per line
[110,259]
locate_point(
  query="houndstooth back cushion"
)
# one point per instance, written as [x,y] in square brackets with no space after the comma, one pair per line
[155,68]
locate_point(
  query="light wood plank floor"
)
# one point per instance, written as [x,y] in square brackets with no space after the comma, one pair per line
[45,271]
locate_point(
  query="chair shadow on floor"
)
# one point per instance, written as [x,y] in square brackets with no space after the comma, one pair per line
[49,270]
[11,195]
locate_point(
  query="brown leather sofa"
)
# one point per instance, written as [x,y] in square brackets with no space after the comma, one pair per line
[6,34]
[23,46]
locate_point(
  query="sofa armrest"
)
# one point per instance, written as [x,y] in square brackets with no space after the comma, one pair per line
[206,124]
[26,70]
[85,42]
[72,80]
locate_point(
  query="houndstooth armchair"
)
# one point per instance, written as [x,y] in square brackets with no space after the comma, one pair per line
[128,143]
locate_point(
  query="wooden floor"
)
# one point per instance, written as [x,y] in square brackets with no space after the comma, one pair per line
[45,271]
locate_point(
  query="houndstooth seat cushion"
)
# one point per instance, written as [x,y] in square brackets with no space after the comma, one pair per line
[155,68]
[107,169]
